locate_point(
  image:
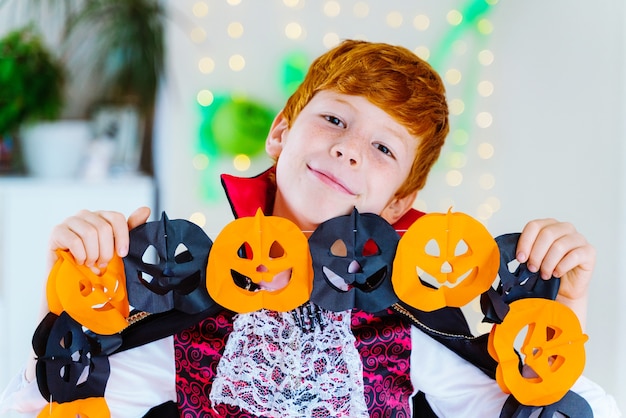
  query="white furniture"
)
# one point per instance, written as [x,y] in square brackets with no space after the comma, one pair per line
[29,209]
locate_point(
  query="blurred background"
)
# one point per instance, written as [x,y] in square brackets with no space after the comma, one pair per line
[159,97]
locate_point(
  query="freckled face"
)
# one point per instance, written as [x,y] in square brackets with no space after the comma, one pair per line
[341,152]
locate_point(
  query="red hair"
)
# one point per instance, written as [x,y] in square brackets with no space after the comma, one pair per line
[392,78]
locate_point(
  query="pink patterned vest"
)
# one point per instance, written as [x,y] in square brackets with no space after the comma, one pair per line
[383,341]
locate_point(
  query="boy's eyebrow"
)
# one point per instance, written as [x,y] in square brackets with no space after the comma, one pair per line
[342,101]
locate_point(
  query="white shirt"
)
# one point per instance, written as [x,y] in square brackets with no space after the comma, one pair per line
[144,377]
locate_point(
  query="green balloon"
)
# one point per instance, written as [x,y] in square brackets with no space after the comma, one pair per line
[240,126]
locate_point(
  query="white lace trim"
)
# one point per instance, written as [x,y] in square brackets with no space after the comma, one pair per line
[272,366]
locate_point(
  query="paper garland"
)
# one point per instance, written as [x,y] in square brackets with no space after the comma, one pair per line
[98,302]
[260,262]
[553,351]
[354,261]
[464,261]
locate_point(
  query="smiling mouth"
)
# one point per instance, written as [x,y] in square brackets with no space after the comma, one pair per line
[370,284]
[331,181]
[451,282]
[244,282]
[184,286]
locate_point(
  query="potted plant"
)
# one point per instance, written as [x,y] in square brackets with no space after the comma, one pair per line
[118,45]
[113,51]
[31,82]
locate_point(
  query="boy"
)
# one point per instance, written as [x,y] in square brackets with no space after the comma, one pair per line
[362,131]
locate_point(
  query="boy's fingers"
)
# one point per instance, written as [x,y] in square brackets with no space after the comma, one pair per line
[99,232]
[552,246]
[113,234]
[138,217]
[63,238]
[565,253]
[528,238]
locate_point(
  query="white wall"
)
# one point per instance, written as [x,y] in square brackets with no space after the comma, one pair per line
[560,114]
[557,125]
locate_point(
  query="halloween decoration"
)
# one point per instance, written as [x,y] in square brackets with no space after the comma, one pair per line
[260,262]
[352,262]
[571,405]
[240,125]
[454,249]
[166,267]
[98,302]
[553,354]
[516,282]
[69,364]
[83,408]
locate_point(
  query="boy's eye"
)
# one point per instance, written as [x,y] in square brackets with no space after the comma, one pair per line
[384,149]
[335,121]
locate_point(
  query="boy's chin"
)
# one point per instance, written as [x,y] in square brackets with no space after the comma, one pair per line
[321,216]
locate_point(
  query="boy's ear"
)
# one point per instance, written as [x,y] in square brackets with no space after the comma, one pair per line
[398,207]
[274,141]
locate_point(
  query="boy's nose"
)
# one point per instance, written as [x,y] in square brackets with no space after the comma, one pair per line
[348,150]
[340,154]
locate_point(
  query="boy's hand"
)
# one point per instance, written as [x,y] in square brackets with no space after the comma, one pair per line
[557,249]
[93,237]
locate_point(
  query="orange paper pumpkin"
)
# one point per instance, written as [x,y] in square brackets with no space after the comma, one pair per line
[98,302]
[553,348]
[260,262]
[454,249]
[83,408]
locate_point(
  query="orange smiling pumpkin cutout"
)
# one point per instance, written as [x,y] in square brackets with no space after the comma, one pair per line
[454,249]
[98,302]
[260,262]
[553,350]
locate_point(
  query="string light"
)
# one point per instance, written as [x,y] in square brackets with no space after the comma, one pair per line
[198,218]
[241,162]
[454,17]
[332,9]
[200,9]
[394,19]
[294,30]
[200,161]
[330,40]
[421,22]
[205,98]
[236,62]
[206,65]
[235,30]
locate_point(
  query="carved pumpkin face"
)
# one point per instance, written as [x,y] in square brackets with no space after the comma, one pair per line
[97,302]
[68,362]
[519,282]
[516,282]
[352,261]
[452,248]
[260,262]
[166,266]
[83,408]
[553,350]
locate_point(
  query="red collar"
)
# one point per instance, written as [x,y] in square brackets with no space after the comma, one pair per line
[247,194]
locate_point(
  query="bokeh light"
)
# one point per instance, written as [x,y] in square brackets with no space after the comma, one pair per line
[236,62]
[205,98]
[241,162]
